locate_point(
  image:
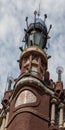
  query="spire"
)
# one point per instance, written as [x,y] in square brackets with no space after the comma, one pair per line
[38,11]
[59,70]
[35,13]
[10,81]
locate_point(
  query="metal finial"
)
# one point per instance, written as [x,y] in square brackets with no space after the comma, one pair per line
[21,48]
[39,10]
[10,81]
[59,70]
[45,17]
[26,21]
[35,13]
[49,28]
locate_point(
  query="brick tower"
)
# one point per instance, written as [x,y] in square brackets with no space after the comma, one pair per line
[36,102]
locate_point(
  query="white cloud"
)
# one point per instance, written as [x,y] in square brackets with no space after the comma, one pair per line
[12,23]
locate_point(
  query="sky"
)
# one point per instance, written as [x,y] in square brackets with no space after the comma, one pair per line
[12,24]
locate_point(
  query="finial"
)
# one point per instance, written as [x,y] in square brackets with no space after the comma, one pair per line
[48,57]
[39,11]
[10,81]
[21,49]
[35,13]
[45,17]
[26,21]
[49,28]
[59,70]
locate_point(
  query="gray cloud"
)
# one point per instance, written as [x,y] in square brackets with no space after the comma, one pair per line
[12,23]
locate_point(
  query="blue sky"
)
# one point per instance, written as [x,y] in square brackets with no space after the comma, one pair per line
[12,24]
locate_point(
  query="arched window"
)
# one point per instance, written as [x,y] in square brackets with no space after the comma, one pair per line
[25,97]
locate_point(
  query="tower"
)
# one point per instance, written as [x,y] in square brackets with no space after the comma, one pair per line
[29,97]
[36,102]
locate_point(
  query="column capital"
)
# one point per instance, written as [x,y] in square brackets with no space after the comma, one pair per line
[61,105]
[54,100]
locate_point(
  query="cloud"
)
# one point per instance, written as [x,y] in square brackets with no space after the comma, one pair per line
[12,24]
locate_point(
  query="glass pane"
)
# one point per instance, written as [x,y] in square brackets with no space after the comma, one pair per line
[31,37]
[37,38]
[25,97]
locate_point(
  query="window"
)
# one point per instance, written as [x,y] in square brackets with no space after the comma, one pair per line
[36,38]
[25,97]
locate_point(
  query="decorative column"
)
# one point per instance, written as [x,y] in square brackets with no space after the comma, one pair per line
[53,102]
[6,122]
[3,124]
[30,63]
[61,107]
[64,124]
[39,64]
[22,68]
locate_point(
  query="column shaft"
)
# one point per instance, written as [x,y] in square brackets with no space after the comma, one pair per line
[53,114]
[3,125]
[61,118]
[6,122]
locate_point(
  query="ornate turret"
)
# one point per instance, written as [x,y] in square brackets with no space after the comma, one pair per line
[28,97]
[34,59]
[36,33]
